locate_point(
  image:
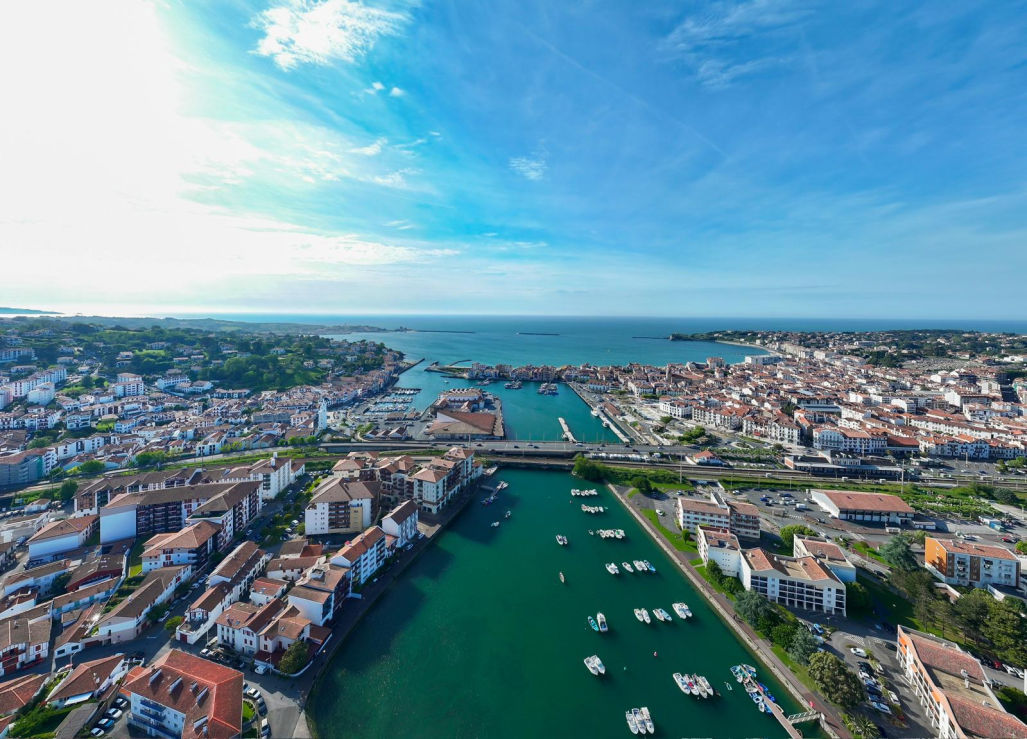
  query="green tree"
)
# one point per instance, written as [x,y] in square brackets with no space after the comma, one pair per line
[782,634]
[172,623]
[150,459]
[836,681]
[588,469]
[972,612]
[90,467]
[713,570]
[897,553]
[863,727]
[788,534]
[857,597]
[754,608]
[1021,547]
[68,490]
[1006,628]
[803,646]
[641,482]
[295,657]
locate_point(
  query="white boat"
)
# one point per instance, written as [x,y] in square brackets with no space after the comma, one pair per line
[631,722]
[693,689]
[639,720]
[599,664]
[626,567]
[700,687]
[502,485]
[638,615]
[704,683]
[562,578]
[682,683]
[591,665]
[595,411]
[507,514]
[648,565]
[495,524]
[648,721]
[561,540]
[682,610]
[611,567]
[603,627]
[645,616]
[662,614]
[638,565]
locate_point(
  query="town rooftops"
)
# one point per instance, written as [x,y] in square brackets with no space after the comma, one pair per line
[718,538]
[226,500]
[14,694]
[239,562]
[363,542]
[195,687]
[155,583]
[823,549]
[65,527]
[21,630]
[191,537]
[798,568]
[403,511]
[177,494]
[84,680]
[268,586]
[957,546]
[849,500]
[337,490]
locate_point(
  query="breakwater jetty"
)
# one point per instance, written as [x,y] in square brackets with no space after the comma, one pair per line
[567,433]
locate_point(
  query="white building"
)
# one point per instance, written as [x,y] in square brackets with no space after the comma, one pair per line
[829,554]
[363,555]
[339,506]
[720,546]
[401,523]
[61,536]
[795,582]
[969,564]
[849,505]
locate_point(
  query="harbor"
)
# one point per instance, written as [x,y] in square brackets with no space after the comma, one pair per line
[507,609]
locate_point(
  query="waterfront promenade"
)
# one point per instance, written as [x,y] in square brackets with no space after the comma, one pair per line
[832,722]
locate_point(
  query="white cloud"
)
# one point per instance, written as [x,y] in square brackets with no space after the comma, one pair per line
[531,167]
[311,32]
[395,92]
[372,149]
[729,40]
[394,179]
[374,88]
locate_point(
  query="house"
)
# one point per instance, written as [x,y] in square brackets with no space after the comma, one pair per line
[88,681]
[319,594]
[290,569]
[740,518]
[240,624]
[363,555]
[180,695]
[720,546]
[72,600]
[953,688]
[97,569]
[340,506]
[795,582]
[265,589]
[288,626]
[232,510]
[849,505]
[828,553]
[706,457]
[59,537]
[401,522]
[16,693]
[965,563]
[240,568]
[127,619]
[40,578]
[24,640]
[192,545]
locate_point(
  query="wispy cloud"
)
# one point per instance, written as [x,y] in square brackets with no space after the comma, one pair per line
[372,149]
[531,167]
[729,40]
[374,88]
[395,92]
[310,32]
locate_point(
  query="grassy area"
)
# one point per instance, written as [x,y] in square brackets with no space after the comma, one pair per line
[135,558]
[798,670]
[676,538]
[40,721]
[868,551]
[897,609]
[248,712]
[633,492]
[701,569]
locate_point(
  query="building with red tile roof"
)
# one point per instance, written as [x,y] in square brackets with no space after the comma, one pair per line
[181,695]
[954,689]
[796,582]
[849,505]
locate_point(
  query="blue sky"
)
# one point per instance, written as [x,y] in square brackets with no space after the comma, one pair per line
[764,157]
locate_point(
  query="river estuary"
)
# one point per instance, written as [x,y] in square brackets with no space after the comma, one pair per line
[479,638]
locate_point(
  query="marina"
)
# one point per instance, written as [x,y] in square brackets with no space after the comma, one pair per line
[422,625]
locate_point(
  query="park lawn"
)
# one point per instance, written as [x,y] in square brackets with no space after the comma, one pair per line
[670,487]
[633,492]
[676,538]
[868,551]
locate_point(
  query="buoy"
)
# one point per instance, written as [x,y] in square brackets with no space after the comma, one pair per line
[654,654]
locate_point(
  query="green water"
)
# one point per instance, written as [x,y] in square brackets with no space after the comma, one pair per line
[480,639]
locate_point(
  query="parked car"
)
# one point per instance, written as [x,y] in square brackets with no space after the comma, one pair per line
[858,651]
[881,707]
[114,713]
[97,731]
[121,703]
[260,669]
[106,724]
[1014,671]
[265,728]
[252,693]
[261,706]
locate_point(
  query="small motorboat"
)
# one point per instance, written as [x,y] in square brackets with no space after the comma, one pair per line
[631,722]
[593,624]
[598,664]
[638,565]
[561,540]
[703,692]
[602,623]
[507,514]
[681,682]
[662,614]
[638,615]
[495,524]
[648,565]
[562,578]
[591,665]
[627,567]
[648,720]
[639,720]
[611,567]
[645,616]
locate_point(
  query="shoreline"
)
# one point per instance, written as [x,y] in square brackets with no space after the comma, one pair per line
[831,723]
[350,620]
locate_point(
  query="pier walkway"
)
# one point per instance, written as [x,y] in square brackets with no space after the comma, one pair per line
[567,433]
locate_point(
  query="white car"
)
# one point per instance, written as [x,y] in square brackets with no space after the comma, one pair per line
[1014,671]
[859,652]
